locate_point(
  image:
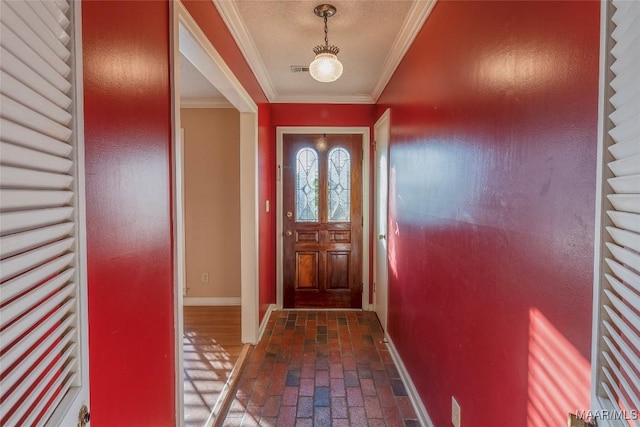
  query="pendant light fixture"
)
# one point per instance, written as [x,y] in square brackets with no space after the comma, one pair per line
[325,67]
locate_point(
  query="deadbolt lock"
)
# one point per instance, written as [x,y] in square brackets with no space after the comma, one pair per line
[289,214]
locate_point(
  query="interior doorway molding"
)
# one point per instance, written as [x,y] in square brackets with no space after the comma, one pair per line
[366,198]
[188,39]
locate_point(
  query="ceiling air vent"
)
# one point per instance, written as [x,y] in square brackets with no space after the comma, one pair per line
[299,69]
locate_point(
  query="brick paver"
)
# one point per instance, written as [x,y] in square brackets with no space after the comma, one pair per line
[321,368]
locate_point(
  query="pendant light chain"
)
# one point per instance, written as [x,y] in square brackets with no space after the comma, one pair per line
[326,31]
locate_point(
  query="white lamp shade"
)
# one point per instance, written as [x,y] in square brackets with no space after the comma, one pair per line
[325,68]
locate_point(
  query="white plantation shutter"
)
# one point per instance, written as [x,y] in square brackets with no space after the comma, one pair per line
[43,372]
[616,356]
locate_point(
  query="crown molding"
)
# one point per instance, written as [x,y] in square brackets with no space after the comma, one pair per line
[231,17]
[205,103]
[418,14]
[323,99]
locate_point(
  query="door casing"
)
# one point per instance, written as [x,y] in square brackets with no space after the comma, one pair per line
[366,209]
[189,39]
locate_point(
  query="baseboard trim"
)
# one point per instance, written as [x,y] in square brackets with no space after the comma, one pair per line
[265,320]
[418,406]
[203,301]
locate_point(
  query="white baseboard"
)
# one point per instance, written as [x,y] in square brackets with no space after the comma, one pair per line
[418,406]
[199,301]
[265,320]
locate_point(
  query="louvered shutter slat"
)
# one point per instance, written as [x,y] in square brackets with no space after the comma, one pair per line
[24,137]
[15,243]
[21,11]
[626,184]
[14,155]
[625,202]
[64,380]
[619,324]
[620,379]
[26,302]
[24,178]
[50,21]
[28,97]
[54,378]
[22,325]
[627,276]
[625,238]
[624,368]
[14,199]
[32,119]
[625,149]
[18,221]
[15,353]
[625,256]
[29,36]
[26,55]
[15,265]
[625,220]
[61,332]
[626,166]
[22,72]
[14,397]
[621,343]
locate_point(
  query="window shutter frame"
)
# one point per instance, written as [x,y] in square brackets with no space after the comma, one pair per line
[615,376]
[43,223]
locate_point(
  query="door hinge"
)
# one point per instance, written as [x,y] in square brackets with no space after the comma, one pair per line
[279,173]
[84,416]
[375,145]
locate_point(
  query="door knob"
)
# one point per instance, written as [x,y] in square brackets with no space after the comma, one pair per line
[288,233]
[382,236]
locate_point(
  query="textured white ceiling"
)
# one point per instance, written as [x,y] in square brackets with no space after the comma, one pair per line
[273,35]
[285,32]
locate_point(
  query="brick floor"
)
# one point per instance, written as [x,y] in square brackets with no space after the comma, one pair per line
[321,368]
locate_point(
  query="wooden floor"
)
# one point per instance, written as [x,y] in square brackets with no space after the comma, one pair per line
[211,346]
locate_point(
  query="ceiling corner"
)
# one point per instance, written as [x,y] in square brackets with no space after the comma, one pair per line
[416,18]
[231,17]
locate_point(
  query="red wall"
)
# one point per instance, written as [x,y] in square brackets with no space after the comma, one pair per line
[492,192]
[129,243]
[322,114]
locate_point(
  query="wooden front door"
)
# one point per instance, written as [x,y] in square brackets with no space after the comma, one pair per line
[322,218]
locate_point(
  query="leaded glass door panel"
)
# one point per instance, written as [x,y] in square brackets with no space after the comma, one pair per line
[322,218]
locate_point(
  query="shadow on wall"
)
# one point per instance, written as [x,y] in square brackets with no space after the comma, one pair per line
[557,374]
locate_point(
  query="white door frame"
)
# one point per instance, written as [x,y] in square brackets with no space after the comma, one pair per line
[366,187]
[381,287]
[188,39]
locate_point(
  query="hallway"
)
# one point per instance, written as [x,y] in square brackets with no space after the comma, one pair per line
[321,368]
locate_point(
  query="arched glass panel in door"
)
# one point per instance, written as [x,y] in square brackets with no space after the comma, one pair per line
[339,185]
[307,189]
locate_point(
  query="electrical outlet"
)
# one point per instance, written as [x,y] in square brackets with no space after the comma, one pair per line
[455,412]
[205,277]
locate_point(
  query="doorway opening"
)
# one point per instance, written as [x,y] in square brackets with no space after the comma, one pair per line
[192,45]
[363,181]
